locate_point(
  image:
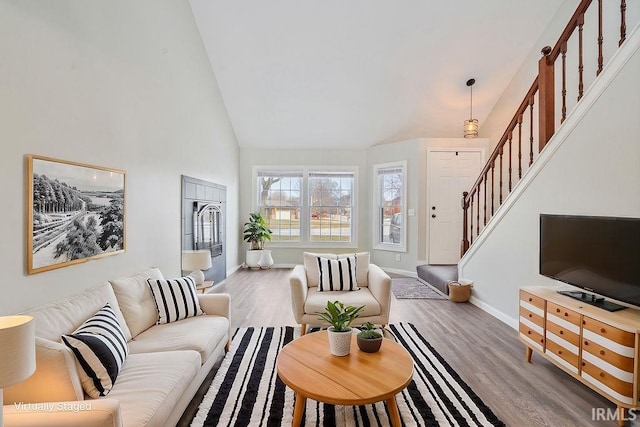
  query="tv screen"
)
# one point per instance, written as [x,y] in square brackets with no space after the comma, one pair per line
[597,254]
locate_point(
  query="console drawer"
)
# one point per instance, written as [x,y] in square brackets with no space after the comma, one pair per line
[563,353]
[619,361]
[563,313]
[563,333]
[625,338]
[532,299]
[532,335]
[602,376]
[532,317]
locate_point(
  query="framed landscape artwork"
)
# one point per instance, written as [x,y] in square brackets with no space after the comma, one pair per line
[75,213]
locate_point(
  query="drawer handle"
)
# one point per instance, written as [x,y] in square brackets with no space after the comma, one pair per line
[561,332]
[603,330]
[530,299]
[601,374]
[542,341]
[584,364]
[529,332]
[602,352]
[559,351]
[530,315]
[566,314]
[586,343]
[557,310]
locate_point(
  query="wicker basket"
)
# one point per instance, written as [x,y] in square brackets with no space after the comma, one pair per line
[460,290]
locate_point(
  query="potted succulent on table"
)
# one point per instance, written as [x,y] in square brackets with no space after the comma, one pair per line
[369,339]
[340,318]
[256,233]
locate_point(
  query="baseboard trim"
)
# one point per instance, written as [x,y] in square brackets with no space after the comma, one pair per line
[495,313]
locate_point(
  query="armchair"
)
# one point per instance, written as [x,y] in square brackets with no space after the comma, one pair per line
[307,299]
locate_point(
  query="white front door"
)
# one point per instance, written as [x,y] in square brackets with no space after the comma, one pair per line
[450,173]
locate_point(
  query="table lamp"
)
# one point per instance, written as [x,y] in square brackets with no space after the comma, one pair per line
[196,261]
[17,351]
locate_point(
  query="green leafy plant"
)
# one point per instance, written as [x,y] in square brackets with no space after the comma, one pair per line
[368,332]
[256,231]
[339,316]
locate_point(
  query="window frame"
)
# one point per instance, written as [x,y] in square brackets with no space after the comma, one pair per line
[305,205]
[378,244]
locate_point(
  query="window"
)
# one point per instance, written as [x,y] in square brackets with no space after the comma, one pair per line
[308,206]
[330,196]
[279,201]
[390,206]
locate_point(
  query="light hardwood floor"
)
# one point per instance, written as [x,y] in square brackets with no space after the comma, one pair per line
[485,352]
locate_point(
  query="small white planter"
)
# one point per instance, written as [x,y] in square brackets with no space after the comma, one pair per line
[252,258]
[339,342]
[266,260]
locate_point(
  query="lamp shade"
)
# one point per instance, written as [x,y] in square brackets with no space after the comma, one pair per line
[471,128]
[17,349]
[196,260]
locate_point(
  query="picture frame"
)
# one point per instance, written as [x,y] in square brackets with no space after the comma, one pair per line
[75,213]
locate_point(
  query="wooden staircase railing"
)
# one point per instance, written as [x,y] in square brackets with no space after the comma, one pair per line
[489,191]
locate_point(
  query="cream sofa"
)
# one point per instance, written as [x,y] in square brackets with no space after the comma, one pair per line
[307,300]
[165,367]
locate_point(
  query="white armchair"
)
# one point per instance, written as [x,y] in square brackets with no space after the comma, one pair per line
[307,300]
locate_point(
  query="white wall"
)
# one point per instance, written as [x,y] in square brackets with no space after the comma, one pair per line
[593,172]
[119,84]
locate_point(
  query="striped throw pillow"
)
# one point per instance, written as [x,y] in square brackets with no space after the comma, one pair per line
[100,349]
[175,299]
[337,274]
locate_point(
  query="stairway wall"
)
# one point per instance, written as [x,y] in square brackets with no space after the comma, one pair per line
[592,168]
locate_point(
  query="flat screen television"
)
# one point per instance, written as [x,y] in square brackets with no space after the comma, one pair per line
[597,254]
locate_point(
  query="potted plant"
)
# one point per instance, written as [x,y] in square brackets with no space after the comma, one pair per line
[340,318]
[256,233]
[369,339]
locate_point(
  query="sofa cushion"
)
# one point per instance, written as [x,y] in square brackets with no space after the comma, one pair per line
[337,274]
[136,301]
[317,301]
[202,334]
[64,317]
[150,384]
[100,350]
[175,299]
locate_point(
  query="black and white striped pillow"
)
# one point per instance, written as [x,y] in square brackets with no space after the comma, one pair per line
[175,299]
[101,349]
[337,274]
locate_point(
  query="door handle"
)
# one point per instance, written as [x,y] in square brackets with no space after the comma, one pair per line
[433,216]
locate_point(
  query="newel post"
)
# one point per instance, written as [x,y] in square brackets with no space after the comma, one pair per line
[464,245]
[546,85]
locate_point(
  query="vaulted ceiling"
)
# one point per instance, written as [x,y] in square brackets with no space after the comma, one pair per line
[355,73]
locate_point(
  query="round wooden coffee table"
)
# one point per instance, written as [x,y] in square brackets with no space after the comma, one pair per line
[312,372]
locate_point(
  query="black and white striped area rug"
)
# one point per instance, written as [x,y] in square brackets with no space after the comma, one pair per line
[246,390]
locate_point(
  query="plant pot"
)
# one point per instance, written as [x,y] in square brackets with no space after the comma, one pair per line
[252,258]
[266,260]
[339,342]
[369,345]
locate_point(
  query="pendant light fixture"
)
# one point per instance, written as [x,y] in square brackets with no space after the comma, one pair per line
[471,125]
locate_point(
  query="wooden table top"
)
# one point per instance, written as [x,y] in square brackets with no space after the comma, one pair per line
[307,366]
